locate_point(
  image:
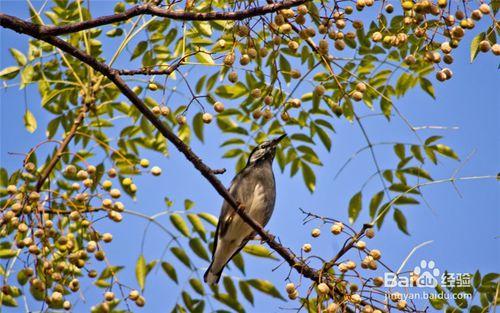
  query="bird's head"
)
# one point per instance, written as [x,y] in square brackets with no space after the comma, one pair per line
[265,151]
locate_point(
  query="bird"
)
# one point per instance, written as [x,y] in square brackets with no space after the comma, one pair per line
[254,187]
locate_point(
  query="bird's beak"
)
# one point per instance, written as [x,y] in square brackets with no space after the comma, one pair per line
[277,140]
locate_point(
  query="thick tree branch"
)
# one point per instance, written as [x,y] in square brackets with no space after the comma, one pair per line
[151,9]
[33,30]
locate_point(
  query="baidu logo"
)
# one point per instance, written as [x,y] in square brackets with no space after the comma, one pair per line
[425,275]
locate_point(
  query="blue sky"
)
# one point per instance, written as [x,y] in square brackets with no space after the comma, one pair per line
[464,230]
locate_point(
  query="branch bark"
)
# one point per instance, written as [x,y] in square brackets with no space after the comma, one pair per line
[153,10]
[33,30]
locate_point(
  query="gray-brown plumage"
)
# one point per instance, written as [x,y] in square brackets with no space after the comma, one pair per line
[254,187]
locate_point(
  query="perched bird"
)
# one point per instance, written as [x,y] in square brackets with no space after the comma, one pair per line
[255,189]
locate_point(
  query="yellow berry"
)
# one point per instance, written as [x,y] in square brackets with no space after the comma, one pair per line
[360,244]
[107,237]
[152,86]
[134,295]
[370,233]
[218,107]
[323,289]
[11,189]
[115,193]
[290,288]
[375,254]
[144,162]
[355,298]
[294,295]
[357,96]
[109,296]
[316,232]
[156,171]
[165,111]
[207,118]
[401,304]
[181,119]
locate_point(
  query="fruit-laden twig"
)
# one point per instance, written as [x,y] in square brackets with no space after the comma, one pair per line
[347,246]
[33,30]
[64,144]
[153,10]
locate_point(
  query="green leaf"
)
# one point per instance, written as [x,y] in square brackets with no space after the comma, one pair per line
[474,46]
[354,207]
[325,139]
[188,204]
[427,87]
[7,253]
[180,224]
[9,72]
[229,286]
[266,287]
[204,57]
[476,282]
[197,286]
[8,301]
[239,262]
[140,271]
[386,106]
[139,49]
[19,56]
[430,154]
[229,301]
[375,203]
[301,137]
[437,302]
[231,91]
[110,271]
[417,153]
[417,171]
[432,139]
[259,251]
[246,291]
[403,188]
[309,177]
[181,255]
[22,278]
[399,149]
[30,121]
[400,221]
[170,271]
[27,76]
[198,248]
[401,200]
[203,27]
[197,225]
[52,127]
[209,218]
[446,151]
[198,126]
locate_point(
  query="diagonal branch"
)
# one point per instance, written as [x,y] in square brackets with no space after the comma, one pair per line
[59,152]
[33,30]
[151,9]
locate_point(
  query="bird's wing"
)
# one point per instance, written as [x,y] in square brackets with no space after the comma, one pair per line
[243,195]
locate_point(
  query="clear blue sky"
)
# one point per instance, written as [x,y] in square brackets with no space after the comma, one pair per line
[464,230]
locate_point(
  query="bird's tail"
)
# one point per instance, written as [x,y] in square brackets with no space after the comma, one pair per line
[211,277]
